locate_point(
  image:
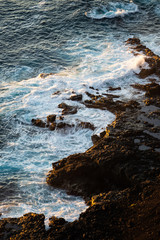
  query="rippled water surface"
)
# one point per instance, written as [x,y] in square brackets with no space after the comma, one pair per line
[82,43]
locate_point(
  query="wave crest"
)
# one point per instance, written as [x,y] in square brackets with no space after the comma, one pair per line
[112,10]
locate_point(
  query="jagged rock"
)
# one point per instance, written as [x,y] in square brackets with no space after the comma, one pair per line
[67,109]
[38,123]
[56,223]
[102,134]
[87,125]
[152,59]
[114,161]
[154,91]
[51,118]
[92,96]
[133,41]
[108,104]
[119,177]
[30,226]
[76,97]
[95,138]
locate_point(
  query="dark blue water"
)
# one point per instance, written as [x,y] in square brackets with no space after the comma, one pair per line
[83,44]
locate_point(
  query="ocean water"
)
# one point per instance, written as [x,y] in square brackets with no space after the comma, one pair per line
[82,43]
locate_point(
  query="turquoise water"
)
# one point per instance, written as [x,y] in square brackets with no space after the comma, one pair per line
[83,44]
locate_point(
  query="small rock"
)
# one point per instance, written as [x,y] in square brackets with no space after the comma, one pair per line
[114,89]
[52,126]
[64,125]
[67,109]
[38,123]
[87,125]
[133,41]
[44,75]
[56,93]
[51,118]
[77,97]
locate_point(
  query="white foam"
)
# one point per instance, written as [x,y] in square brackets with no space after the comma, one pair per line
[112,10]
[30,151]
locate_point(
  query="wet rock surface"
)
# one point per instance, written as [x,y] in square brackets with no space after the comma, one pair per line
[119,176]
[76,97]
[38,123]
[67,109]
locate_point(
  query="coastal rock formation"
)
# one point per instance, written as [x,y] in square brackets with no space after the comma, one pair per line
[119,176]
[30,226]
[152,59]
[124,156]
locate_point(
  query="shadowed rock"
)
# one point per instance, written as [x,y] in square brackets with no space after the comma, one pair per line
[87,125]
[67,109]
[30,226]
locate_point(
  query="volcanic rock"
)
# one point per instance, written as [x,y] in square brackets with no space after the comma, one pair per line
[30,226]
[67,109]
[51,118]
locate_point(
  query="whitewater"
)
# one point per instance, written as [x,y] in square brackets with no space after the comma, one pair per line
[82,44]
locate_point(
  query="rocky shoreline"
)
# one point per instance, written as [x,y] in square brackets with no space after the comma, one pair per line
[119,176]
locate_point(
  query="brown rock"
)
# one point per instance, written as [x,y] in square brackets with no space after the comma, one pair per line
[154,91]
[57,223]
[38,123]
[51,118]
[87,125]
[67,109]
[76,97]
[52,126]
[63,125]
[44,75]
[95,138]
[114,89]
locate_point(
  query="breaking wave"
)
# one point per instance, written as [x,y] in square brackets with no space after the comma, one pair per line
[112,10]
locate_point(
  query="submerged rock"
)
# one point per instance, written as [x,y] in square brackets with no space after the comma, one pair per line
[114,88]
[87,125]
[38,123]
[63,125]
[44,75]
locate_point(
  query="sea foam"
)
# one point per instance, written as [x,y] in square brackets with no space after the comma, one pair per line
[112,10]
